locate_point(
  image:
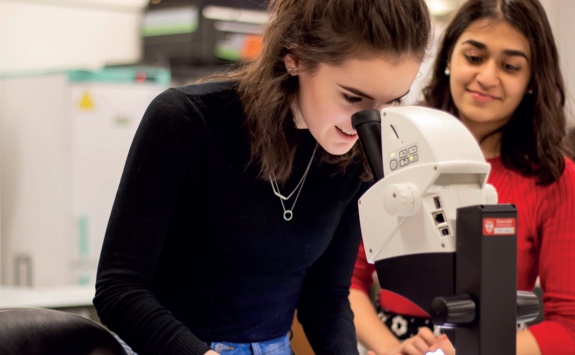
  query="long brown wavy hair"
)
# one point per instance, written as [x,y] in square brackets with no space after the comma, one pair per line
[531,142]
[315,32]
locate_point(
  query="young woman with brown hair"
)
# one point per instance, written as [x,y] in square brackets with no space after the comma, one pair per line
[238,202]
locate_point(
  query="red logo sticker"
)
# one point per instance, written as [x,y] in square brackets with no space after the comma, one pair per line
[499,226]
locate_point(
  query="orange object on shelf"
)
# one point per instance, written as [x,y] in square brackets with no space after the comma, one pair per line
[252,47]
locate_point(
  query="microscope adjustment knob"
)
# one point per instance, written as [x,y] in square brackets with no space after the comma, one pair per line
[452,310]
[400,199]
[528,306]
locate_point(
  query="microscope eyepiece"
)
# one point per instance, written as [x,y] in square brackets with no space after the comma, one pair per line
[368,126]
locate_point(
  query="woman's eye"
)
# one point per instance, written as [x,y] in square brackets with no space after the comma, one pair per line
[510,68]
[351,99]
[473,59]
[397,102]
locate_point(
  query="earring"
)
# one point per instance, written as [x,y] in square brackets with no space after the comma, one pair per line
[530,91]
[446,72]
[291,71]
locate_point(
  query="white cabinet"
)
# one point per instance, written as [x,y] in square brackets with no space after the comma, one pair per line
[64,139]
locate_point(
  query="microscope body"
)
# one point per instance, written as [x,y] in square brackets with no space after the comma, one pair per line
[432,227]
[432,166]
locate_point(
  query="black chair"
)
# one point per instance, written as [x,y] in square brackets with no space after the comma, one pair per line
[37,331]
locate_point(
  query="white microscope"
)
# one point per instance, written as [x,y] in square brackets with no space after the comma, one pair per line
[432,227]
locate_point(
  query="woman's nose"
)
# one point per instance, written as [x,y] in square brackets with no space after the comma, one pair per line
[488,74]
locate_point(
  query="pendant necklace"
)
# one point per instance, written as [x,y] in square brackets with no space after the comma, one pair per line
[288,213]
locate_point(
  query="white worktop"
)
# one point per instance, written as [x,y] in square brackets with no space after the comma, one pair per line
[46,297]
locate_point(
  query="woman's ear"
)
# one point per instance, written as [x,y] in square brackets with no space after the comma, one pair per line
[291,63]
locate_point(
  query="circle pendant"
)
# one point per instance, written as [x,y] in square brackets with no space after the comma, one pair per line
[288,215]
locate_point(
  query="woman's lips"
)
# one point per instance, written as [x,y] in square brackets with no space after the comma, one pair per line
[481,97]
[348,135]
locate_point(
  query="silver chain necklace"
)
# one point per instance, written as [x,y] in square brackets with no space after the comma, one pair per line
[288,213]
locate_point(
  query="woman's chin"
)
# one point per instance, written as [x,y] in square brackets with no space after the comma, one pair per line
[338,149]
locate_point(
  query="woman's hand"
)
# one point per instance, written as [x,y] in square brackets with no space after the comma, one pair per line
[418,344]
[442,343]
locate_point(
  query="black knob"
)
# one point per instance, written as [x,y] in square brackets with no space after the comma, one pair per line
[528,306]
[452,310]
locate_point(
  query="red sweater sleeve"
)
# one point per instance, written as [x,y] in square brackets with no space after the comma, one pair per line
[556,246]
[362,278]
[546,248]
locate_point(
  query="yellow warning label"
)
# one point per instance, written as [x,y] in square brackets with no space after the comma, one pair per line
[86,102]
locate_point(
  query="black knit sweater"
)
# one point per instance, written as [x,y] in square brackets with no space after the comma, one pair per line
[197,249]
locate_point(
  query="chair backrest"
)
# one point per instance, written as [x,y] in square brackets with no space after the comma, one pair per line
[37,331]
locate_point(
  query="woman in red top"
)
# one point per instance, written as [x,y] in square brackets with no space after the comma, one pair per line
[497,70]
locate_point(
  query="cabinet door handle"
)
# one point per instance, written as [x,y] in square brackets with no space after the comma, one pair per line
[23,270]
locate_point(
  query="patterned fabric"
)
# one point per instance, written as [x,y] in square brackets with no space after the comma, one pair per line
[404,327]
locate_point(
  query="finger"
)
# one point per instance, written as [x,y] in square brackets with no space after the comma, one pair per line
[420,344]
[427,335]
[411,348]
[442,342]
[444,345]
